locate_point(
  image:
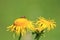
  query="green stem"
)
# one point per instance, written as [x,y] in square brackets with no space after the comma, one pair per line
[19,37]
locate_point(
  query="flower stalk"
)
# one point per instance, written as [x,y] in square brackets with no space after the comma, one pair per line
[21,25]
[19,37]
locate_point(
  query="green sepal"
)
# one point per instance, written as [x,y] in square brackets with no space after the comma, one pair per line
[38,34]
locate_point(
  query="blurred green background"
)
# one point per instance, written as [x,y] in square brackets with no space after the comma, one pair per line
[12,9]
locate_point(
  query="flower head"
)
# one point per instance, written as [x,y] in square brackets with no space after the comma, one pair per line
[20,26]
[45,24]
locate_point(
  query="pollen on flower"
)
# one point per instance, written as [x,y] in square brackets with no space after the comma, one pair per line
[20,25]
[21,22]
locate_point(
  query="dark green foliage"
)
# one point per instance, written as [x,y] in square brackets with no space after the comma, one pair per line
[38,34]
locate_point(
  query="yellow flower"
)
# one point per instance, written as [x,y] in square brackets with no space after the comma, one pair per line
[20,26]
[45,24]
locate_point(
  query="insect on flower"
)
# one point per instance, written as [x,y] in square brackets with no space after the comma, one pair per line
[21,25]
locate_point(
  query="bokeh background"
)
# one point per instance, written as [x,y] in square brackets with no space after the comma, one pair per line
[32,9]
